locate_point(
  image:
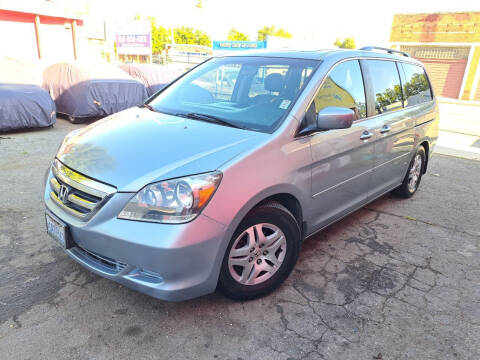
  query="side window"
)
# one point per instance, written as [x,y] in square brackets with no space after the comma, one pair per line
[386,86]
[416,88]
[220,82]
[343,88]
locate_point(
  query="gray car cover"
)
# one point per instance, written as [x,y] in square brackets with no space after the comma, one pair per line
[154,77]
[23,103]
[83,90]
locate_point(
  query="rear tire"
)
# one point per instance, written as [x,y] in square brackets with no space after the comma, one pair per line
[75,120]
[414,174]
[261,254]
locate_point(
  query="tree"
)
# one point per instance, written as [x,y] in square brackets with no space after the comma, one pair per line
[160,37]
[201,38]
[418,84]
[283,33]
[235,35]
[270,30]
[347,43]
[183,35]
[188,35]
[388,97]
[263,32]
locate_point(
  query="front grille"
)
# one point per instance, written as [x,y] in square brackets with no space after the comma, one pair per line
[75,193]
[103,261]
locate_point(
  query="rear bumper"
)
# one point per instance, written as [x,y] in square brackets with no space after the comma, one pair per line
[169,262]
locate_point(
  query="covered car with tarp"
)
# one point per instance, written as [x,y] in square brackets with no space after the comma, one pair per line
[154,77]
[91,90]
[23,102]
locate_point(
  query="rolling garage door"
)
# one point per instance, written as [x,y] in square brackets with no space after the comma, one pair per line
[445,66]
[56,40]
[17,38]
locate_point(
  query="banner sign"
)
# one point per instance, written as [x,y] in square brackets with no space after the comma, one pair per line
[239,45]
[134,38]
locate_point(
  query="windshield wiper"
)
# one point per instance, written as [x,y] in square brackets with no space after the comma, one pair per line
[149,107]
[209,118]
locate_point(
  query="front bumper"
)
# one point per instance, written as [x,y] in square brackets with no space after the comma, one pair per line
[166,261]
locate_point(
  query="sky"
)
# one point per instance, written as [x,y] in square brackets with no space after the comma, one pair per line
[315,21]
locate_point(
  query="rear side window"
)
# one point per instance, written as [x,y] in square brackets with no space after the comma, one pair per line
[343,88]
[416,89]
[386,86]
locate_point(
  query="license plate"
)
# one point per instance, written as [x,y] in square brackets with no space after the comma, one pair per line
[57,230]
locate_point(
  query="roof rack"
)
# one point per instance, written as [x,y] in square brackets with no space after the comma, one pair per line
[390,51]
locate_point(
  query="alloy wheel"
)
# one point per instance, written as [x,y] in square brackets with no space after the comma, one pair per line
[257,254]
[414,174]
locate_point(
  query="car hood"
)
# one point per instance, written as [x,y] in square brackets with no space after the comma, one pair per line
[136,147]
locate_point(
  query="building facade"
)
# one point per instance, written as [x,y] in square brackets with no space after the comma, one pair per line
[43,31]
[449,46]
[133,41]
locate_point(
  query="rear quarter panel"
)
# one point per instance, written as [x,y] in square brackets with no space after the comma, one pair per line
[426,117]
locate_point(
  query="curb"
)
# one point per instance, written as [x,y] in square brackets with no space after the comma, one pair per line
[441,150]
[443,100]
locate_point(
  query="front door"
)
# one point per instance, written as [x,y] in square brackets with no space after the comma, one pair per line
[342,159]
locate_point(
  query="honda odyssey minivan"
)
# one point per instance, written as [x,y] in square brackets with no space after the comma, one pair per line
[215,181]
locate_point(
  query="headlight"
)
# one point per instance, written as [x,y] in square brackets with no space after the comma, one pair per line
[172,201]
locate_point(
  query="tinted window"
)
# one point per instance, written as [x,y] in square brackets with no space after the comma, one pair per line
[386,86]
[416,88]
[343,88]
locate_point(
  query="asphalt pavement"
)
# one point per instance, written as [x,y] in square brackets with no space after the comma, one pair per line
[398,279]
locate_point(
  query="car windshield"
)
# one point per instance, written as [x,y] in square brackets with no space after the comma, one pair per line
[253,93]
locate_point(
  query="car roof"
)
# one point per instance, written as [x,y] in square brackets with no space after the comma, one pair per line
[319,54]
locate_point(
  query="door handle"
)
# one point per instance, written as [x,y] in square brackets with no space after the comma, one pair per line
[366,135]
[385,129]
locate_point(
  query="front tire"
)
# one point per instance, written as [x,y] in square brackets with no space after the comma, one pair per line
[261,254]
[414,174]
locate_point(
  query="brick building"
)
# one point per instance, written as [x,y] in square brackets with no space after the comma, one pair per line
[449,46]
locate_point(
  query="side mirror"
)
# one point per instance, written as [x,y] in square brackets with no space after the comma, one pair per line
[333,117]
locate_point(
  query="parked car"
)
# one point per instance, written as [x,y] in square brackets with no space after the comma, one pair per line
[91,90]
[201,189]
[23,103]
[154,77]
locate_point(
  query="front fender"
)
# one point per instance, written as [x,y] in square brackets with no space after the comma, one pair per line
[244,209]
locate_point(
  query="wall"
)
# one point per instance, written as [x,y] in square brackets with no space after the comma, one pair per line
[447,27]
[443,29]
[18,36]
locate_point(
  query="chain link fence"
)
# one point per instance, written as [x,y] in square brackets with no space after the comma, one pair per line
[186,59]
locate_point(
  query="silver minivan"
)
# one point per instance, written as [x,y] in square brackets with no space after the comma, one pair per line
[216,180]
